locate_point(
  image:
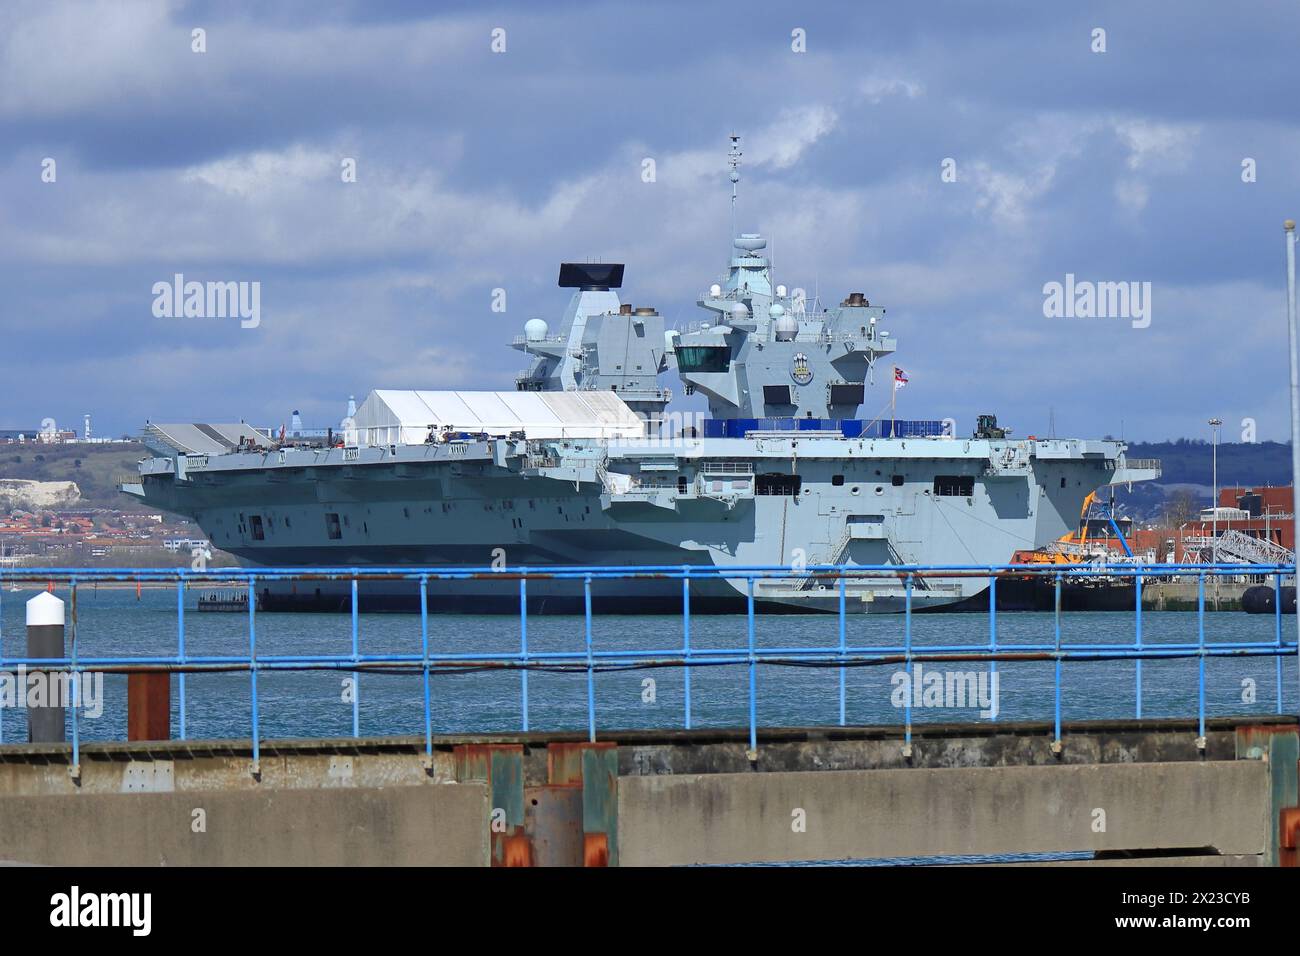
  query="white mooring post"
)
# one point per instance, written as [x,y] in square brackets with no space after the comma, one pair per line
[45,617]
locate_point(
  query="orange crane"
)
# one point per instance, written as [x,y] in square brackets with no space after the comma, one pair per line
[1051,555]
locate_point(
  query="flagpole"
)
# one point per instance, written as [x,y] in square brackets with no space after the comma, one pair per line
[893,397]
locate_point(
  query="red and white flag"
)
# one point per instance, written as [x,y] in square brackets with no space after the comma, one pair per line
[900,378]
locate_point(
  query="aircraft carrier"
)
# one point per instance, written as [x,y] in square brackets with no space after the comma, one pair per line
[583,464]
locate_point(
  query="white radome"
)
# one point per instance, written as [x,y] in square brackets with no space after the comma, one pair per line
[535,330]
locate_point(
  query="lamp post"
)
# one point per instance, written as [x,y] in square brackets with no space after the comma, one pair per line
[1289,227]
[1214,498]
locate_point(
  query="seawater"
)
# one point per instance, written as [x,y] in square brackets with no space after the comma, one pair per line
[315,704]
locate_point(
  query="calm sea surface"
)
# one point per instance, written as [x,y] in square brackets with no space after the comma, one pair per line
[116,623]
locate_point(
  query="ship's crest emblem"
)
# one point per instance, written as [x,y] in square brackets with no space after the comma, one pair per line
[799,370]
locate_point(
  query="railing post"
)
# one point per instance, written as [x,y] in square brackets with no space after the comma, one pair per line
[843,641]
[424,648]
[356,675]
[1137,600]
[76,684]
[907,664]
[753,686]
[591,675]
[1200,643]
[252,674]
[993,632]
[1057,746]
[180,650]
[686,639]
[1277,626]
[1277,608]
[523,648]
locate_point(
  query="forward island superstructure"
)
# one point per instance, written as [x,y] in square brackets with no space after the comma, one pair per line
[582,465]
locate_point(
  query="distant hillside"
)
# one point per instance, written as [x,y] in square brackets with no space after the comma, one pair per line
[1190,462]
[94,468]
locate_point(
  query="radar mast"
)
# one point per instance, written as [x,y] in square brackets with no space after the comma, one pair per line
[733,160]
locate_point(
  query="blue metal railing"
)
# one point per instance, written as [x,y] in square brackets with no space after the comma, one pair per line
[591,659]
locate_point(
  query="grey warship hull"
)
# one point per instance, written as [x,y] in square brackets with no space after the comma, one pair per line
[641,503]
[581,466]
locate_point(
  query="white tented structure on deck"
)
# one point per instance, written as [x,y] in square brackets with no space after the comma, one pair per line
[389,417]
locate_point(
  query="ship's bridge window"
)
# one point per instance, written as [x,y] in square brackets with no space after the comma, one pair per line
[332,526]
[954,486]
[703,358]
[255,523]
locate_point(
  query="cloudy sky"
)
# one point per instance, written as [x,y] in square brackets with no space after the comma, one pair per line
[478,170]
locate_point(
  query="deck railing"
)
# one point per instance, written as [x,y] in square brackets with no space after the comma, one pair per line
[591,659]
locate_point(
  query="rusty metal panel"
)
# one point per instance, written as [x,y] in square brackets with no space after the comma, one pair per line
[564,762]
[516,850]
[600,802]
[1289,837]
[595,849]
[501,766]
[1279,746]
[148,706]
[1253,741]
[554,824]
[564,759]
[592,767]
